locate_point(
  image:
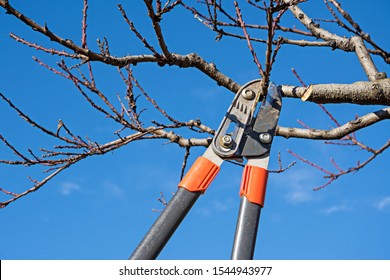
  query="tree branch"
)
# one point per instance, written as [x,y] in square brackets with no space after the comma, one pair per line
[338,132]
[355,44]
[339,42]
[366,60]
[74,148]
[157,29]
[362,93]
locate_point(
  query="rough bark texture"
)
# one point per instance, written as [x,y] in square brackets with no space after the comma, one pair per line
[362,93]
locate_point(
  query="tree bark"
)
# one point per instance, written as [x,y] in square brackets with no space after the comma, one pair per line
[362,93]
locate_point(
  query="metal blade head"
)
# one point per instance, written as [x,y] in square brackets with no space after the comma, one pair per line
[259,136]
[238,117]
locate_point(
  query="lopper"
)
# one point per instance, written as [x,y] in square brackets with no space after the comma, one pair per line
[244,133]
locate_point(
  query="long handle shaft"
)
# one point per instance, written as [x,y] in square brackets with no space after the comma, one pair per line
[165,225]
[246,230]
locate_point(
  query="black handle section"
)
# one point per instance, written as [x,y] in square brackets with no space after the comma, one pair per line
[165,225]
[246,230]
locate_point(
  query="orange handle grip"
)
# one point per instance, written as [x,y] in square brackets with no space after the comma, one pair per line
[200,175]
[254,184]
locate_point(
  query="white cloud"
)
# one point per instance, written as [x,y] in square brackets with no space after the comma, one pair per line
[299,195]
[113,189]
[67,188]
[275,218]
[216,206]
[335,209]
[383,203]
[223,206]
[204,211]
[297,185]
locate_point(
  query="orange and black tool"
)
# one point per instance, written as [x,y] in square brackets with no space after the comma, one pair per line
[244,134]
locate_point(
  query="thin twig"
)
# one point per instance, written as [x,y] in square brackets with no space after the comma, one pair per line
[184,165]
[248,40]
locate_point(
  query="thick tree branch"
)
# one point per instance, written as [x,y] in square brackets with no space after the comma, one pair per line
[363,93]
[366,60]
[210,69]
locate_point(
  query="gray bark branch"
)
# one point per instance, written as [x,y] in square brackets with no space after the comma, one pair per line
[362,93]
[366,60]
[338,132]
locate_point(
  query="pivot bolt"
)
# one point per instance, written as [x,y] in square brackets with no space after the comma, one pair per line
[248,94]
[226,141]
[265,138]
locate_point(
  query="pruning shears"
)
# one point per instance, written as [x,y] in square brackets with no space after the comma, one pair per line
[246,132]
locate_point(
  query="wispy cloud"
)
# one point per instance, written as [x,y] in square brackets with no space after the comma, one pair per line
[299,195]
[297,185]
[113,189]
[222,206]
[67,188]
[335,209]
[216,206]
[383,203]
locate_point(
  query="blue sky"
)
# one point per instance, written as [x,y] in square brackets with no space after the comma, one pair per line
[102,207]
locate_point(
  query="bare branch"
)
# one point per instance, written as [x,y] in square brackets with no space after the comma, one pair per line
[32,122]
[84,26]
[248,40]
[157,28]
[210,69]
[143,39]
[338,41]
[338,132]
[94,149]
[184,165]
[363,93]
[358,31]
[36,187]
[365,60]
[72,148]
[332,176]
[41,48]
